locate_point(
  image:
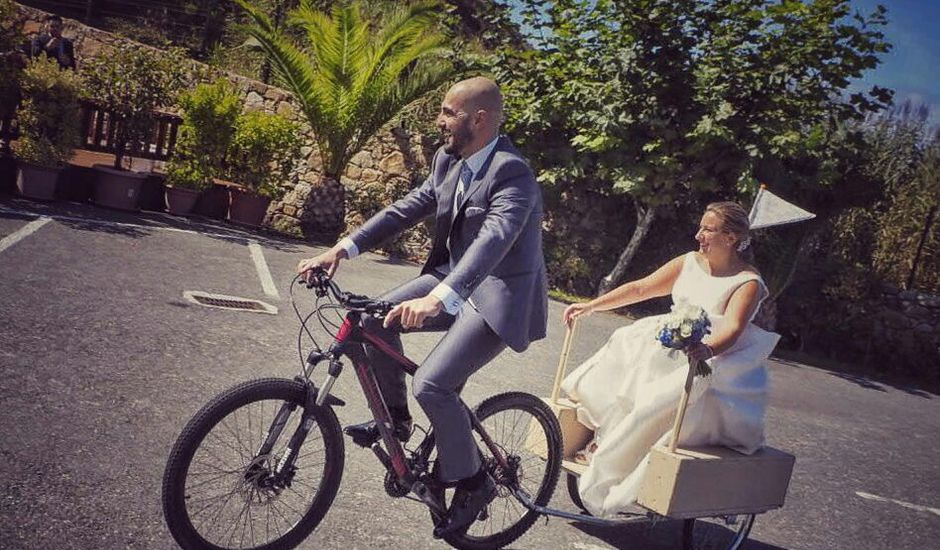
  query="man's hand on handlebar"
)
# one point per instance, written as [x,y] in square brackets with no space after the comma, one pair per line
[412,313]
[329,261]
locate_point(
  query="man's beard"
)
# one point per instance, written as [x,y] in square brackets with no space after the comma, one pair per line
[459,138]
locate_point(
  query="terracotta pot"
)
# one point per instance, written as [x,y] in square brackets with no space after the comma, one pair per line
[37,182]
[180,201]
[213,202]
[247,208]
[118,189]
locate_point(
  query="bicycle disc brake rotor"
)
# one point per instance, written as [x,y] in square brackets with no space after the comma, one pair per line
[259,484]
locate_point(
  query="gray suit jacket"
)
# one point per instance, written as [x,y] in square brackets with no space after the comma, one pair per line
[495,238]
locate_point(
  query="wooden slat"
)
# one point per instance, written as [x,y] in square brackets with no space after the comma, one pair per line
[109,144]
[99,124]
[161,138]
[174,129]
[88,117]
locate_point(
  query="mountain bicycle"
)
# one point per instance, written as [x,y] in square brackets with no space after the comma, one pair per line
[260,465]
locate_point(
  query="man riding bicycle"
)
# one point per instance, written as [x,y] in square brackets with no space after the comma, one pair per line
[484,283]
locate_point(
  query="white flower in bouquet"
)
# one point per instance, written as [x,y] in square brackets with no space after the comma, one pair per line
[685,325]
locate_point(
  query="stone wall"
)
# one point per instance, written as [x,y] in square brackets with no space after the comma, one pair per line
[390,164]
[909,320]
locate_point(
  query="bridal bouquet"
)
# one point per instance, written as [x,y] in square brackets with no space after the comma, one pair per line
[685,325]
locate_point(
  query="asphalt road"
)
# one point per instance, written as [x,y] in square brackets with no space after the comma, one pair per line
[103,361]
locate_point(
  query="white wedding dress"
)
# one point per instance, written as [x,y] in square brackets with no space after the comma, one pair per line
[629,390]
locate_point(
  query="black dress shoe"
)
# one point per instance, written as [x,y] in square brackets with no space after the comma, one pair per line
[465,507]
[367,433]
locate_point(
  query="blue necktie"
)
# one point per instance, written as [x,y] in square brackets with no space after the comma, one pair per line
[462,182]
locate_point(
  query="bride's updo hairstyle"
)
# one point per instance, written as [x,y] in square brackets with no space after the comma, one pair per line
[734,220]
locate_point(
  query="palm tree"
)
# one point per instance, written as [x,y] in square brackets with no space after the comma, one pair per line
[350,79]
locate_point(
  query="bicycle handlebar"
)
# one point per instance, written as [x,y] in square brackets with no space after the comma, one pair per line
[322,284]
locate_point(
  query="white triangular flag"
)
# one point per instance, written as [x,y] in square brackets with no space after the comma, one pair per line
[769,210]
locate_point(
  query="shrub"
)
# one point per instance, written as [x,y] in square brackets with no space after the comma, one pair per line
[12,60]
[262,152]
[210,113]
[49,114]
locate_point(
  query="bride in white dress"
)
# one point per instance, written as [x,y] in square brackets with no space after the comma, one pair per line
[628,391]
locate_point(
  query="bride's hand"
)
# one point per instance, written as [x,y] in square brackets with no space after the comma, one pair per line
[575,311]
[700,352]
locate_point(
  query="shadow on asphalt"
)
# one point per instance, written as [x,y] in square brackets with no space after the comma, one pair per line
[661,535]
[88,217]
[861,380]
[870,384]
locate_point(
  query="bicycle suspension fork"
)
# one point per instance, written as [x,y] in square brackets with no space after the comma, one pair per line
[313,398]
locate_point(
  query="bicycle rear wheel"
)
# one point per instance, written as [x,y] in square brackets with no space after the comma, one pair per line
[527,432]
[219,493]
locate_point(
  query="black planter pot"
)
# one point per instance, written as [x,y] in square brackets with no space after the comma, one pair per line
[76,184]
[213,203]
[153,194]
[7,174]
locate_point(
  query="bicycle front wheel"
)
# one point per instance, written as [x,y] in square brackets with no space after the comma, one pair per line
[219,492]
[524,428]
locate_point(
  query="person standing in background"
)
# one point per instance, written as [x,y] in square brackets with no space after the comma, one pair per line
[53,44]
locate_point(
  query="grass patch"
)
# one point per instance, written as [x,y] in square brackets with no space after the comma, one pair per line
[565,298]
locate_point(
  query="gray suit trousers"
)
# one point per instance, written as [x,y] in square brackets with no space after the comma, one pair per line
[468,345]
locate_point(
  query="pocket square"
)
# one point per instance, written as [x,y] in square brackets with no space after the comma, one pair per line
[474,210]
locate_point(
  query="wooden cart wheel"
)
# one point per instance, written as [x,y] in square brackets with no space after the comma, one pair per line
[717,533]
[573,493]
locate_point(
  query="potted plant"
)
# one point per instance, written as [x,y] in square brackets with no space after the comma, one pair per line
[210,112]
[130,83]
[261,155]
[49,119]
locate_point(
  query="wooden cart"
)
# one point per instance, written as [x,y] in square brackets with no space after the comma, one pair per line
[715,491]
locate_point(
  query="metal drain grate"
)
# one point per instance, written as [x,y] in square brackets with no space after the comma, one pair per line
[229,302]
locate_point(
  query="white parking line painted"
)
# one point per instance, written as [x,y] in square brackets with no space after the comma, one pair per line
[23,232]
[918,507]
[267,283]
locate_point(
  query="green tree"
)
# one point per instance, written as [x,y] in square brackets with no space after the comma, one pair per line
[662,100]
[350,79]
[903,155]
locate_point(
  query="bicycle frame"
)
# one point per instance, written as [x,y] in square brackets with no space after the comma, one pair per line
[349,341]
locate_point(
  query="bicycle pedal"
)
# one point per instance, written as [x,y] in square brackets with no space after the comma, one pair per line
[360,438]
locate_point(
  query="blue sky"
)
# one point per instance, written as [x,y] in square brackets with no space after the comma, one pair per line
[912,67]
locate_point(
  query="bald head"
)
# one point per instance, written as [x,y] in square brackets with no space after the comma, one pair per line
[479,94]
[471,114]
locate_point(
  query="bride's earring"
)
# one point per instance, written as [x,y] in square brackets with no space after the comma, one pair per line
[742,246]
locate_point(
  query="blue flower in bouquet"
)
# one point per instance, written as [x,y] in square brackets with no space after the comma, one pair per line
[685,325]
